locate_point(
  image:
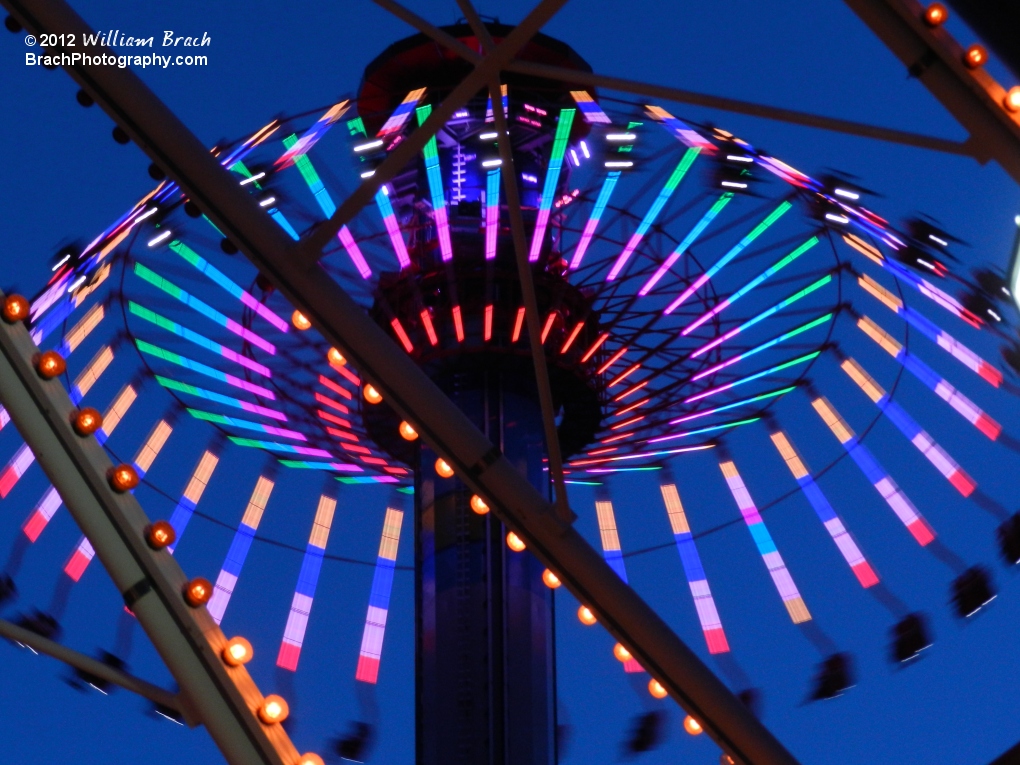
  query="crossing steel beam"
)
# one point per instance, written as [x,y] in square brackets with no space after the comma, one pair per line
[343,323]
[224,699]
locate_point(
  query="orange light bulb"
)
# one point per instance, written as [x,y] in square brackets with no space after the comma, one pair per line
[478,505]
[273,710]
[310,758]
[975,56]
[237,651]
[1012,99]
[586,616]
[159,535]
[514,542]
[87,421]
[50,364]
[655,688]
[372,396]
[692,726]
[333,356]
[443,468]
[550,579]
[935,15]
[123,478]
[621,653]
[300,321]
[197,592]
[16,309]
[407,432]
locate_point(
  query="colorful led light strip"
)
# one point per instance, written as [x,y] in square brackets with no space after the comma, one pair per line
[939,385]
[764,346]
[610,537]
[435,179]
[174,291]
[735,404]
[338,466]
[232,289]
[900,504]
[711,429]
[646,455]
[19,463]
[401,113]
[756,376]
[208,395]
[491,213]
[203,369]
[688,240]
[704,603]
[772,270]
[115,413]
[681,130]
[729,256]
[379,601]
[301,146]
[596,214]
[763,315]
[91,374]
[194,337]
[41,514]
[275,446]
[389,217]
[304,593]
[590,110]
[239,547]
[794,603]
[234,422]
[321,194]
[833,523]
[552,177]
[76,336]
[932,331]
[84,552]
[192,494]
[653,212]
[906,424]
[923,286]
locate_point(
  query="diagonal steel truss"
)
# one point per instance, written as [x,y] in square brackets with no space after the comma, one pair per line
[228,707]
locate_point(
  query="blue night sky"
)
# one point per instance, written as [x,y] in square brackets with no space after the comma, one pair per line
[65,179]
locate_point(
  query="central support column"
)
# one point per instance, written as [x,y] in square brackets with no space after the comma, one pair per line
[486,678]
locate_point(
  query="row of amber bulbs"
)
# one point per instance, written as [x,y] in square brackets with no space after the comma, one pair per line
[158,535]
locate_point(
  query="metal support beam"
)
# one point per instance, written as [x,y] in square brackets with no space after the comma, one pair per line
[594,80]
[972,96]
[224,699]
[96,668]
[412,395]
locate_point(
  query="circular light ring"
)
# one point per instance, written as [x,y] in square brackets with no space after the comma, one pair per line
[975,56]
[198,591]
[16,308]
[655,688]
[87,421]
[273,709]
[237,651]
[50,364]
[123,478]
[160,535]
[935,15]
